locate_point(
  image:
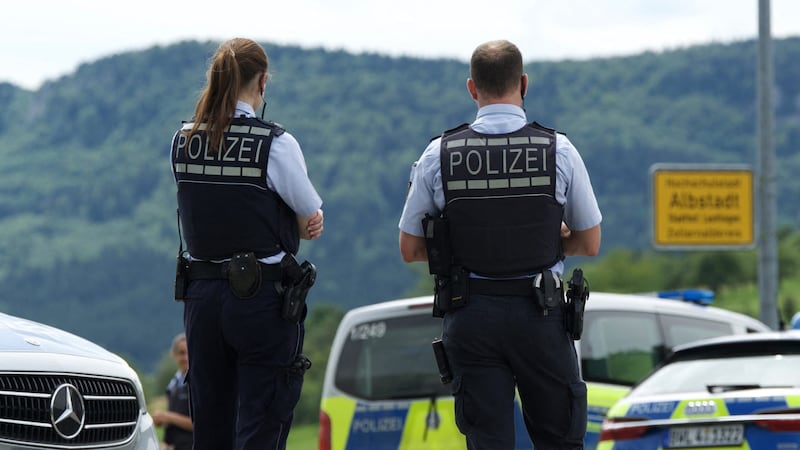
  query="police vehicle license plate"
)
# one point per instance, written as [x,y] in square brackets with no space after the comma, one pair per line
[681,437]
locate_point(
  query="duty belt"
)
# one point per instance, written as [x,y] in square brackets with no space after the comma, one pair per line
[522,287]
[206,270]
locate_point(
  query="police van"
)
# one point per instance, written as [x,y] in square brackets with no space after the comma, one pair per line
[382,389]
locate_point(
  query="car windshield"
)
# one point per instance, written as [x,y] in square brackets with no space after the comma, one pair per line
[723,374]
[391,359]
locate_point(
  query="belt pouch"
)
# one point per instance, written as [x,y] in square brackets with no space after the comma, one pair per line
[181,277]
[450,292]
[244,274]
[437,244]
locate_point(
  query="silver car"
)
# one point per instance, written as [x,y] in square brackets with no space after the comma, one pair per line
[60,391]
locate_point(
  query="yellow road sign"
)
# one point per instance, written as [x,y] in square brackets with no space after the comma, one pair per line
[702,206]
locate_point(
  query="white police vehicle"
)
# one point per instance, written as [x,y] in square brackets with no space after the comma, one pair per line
[732,392]
[59,391]
[382,390]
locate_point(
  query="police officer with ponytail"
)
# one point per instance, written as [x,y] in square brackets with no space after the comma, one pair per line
[494,207]
[244,203]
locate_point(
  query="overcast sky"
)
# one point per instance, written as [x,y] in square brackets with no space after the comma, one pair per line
[45,39]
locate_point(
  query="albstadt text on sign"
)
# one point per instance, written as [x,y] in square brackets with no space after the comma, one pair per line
[708,206]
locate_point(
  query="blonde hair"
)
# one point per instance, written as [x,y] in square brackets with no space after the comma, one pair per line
[181,337]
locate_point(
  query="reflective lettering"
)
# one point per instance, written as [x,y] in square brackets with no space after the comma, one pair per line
[455,160]
[377,425]
[195,147]
[530,158]
[474,162]
[235,148]
[227,156]
[516,152]
[489,169]
[508,161]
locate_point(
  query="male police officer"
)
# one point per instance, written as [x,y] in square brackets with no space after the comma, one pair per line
[509,199]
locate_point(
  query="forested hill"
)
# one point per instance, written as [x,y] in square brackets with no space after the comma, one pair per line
[87,204]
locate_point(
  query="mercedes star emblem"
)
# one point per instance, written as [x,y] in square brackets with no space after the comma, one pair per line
[67,411]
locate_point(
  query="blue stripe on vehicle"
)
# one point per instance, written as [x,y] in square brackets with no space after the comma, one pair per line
[377,427]
[748,405]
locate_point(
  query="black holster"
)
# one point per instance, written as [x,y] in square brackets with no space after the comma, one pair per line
[297,281]
[577,295]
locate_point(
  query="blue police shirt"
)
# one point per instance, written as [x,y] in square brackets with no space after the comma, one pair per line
[573,187]
[286,174]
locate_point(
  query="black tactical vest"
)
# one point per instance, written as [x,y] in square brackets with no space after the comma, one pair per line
[500,200]
[224,202]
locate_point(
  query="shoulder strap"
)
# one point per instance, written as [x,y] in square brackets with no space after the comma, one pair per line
[451,131]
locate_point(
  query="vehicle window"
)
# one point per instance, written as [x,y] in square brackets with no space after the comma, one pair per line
[391,359]
[619,347]
[724,374]
[681,330]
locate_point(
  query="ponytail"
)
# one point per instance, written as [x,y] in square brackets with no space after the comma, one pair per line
[234,64]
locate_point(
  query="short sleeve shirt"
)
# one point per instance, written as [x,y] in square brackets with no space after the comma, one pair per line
[573,186]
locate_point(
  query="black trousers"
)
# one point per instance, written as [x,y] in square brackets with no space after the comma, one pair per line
[498,343]
[241,393]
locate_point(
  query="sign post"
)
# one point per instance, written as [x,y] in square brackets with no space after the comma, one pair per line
[702,206]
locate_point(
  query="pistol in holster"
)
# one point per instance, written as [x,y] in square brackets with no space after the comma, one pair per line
[450,281]
[577,295]
[294,286]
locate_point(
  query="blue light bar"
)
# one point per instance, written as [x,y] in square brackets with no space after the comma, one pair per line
[699,296]
[796,321]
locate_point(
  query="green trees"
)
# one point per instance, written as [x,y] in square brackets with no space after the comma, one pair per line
[87,202]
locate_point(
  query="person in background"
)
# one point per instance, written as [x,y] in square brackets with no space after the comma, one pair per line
[244,203]
[499,203]
[176,419]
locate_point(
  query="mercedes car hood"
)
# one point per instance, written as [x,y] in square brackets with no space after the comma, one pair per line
[29,337]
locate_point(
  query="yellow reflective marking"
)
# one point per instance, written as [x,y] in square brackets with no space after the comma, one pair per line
[444,436]
[721,409]
[607,397]
[341,412]
[793,401]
